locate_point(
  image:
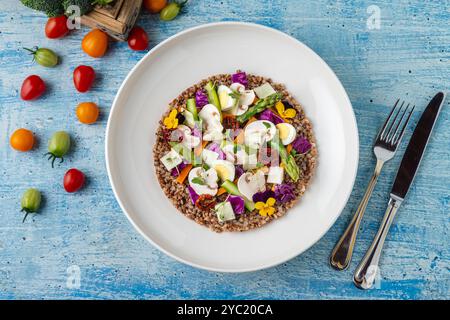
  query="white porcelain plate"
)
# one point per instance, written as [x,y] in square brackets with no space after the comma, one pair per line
[187,58]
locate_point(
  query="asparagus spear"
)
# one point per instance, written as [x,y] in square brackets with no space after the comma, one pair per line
[212,95]
[260,106]
[287,160]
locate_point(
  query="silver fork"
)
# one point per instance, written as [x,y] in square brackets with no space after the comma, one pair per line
[385,147]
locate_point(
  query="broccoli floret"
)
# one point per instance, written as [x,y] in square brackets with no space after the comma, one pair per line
[85,5]
[51,8]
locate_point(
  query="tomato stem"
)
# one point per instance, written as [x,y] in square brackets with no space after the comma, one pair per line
[33,52]
[53,157]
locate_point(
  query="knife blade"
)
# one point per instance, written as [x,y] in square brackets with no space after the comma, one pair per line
[416,147]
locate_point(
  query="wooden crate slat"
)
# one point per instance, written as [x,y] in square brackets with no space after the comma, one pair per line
[110,11]
[117,27]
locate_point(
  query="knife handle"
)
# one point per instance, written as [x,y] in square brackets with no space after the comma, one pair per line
[343,250]
[367,270]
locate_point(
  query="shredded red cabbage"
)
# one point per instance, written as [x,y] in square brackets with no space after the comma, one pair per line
[239,77]
[263,196]
[175,172]
[197,132]
[216,148]
[284,192]
[269,115]
[201,99]
[238,171]
[194,196]
[237,203]
[301,145]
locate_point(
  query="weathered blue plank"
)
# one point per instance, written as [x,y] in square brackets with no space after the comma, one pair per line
[407,57]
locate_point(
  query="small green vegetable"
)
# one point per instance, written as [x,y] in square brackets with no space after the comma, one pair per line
[31,201]
[192,108]
[172,10]
[260,106]
[213,97]
[288,160]
[233,189]
[43,56]
[58,146]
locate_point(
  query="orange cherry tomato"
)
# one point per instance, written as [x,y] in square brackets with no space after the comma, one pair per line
[95,43]
[155,6]
[22,140]
[87,112]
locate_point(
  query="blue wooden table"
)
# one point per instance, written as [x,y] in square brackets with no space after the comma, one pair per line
[405,56]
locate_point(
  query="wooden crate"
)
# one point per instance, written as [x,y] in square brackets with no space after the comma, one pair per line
[116,20]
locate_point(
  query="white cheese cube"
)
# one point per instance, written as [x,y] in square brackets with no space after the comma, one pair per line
[275,175]
[171,159]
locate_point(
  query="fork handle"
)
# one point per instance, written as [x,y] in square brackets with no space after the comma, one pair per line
[342,252]
[368,269]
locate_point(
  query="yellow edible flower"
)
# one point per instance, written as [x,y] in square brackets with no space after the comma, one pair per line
[266,209]
[285,113]
[171,122]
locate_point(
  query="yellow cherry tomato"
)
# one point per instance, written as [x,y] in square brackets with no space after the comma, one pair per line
[87,112]
[155,6]
[22,140]
[95,43]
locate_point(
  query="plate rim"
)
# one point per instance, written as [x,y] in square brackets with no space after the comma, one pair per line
[114,106]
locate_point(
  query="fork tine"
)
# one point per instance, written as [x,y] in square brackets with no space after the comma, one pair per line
[383,128]
[384,136]
[400,136]
[390,137]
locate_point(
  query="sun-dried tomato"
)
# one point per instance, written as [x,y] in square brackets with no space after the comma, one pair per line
[267,156]
[230,123]
[205,202]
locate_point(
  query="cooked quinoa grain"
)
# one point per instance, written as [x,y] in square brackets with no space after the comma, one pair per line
[178,193]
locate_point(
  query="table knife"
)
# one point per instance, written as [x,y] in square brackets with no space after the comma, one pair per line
[368,269]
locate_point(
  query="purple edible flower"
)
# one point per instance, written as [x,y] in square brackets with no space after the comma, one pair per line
[175,172]
[240,77]
[238,171]
[194,196]
[263,196]
[201,99]
[284,193]
[237,203]
[301,145]
[216,148]
[269,115]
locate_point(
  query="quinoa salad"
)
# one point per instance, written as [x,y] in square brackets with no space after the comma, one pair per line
[234,152]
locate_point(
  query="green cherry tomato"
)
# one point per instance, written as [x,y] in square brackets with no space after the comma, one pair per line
[171,11]
[43,56]
[31,201]
[58,146]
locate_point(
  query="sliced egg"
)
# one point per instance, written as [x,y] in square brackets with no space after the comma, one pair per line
[287,132]
[251,183]
[227,102]
[258,132]
[225,169]
[203,181]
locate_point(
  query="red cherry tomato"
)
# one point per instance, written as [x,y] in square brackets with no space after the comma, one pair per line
[32,88]
[138,39]
[83,78]
[56,27]
[73,180]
